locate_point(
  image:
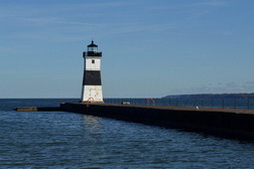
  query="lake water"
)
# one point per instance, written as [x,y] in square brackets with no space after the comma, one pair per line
[69,140]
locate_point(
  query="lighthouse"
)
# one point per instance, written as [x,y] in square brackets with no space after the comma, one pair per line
[92,88]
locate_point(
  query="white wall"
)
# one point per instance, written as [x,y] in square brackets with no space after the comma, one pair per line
[93,66]
[93,93]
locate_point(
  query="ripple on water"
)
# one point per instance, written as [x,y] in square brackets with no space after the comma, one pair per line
[68,140]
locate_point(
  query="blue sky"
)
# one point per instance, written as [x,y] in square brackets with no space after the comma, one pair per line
[151,48]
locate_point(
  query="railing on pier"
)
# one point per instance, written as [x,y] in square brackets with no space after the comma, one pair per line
[235,103]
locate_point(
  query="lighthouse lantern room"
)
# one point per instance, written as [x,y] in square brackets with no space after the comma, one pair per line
[92,87]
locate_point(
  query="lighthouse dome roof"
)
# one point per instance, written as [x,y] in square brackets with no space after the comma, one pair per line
[92,45]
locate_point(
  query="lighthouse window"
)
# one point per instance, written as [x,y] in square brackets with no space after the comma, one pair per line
[93,61]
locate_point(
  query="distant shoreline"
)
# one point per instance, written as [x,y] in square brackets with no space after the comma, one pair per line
[224,95]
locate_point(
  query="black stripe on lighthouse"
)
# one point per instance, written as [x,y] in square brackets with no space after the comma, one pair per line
[92,78]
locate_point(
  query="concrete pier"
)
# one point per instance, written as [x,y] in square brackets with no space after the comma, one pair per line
[230,123]
[31,109]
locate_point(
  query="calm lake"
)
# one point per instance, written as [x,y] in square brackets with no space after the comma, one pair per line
[69,140]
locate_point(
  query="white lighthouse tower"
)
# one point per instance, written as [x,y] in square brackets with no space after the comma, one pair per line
[92,88]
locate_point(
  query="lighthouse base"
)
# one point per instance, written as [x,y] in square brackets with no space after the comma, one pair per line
[91,102]
[92,94]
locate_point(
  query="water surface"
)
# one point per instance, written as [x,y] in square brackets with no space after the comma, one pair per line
[69,140]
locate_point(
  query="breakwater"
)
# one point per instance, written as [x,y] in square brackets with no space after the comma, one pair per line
[28,109]
[231,123]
